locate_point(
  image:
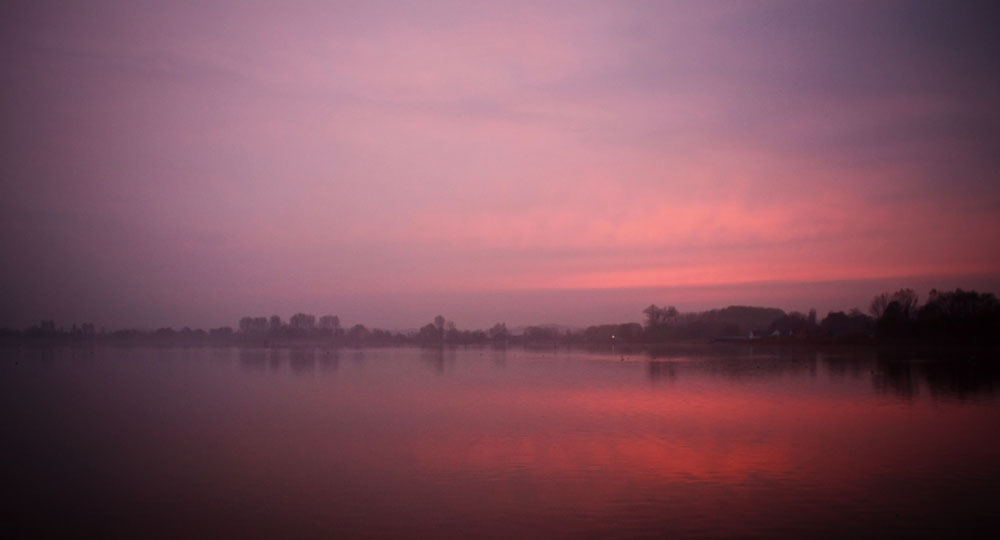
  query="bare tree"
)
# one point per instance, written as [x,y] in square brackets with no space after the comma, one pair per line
[908,300]
[439,325]
[274,324]
[329,322]
[878,305]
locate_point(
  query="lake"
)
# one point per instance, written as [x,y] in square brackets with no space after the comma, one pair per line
[497,443]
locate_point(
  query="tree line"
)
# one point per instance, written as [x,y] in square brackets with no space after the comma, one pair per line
[946,317]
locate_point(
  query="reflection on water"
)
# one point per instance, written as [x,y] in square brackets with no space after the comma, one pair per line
[301,360]
[484,442]
[898,374]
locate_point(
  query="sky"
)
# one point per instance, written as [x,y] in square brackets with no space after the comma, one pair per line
[187,163]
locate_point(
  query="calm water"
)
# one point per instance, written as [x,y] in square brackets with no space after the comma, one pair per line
[474,443]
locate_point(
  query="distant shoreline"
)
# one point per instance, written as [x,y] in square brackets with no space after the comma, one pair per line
[897,321]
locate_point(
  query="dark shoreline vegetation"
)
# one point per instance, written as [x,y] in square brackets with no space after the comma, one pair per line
[947,319]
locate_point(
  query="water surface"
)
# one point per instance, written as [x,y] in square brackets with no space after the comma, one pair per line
[303,443]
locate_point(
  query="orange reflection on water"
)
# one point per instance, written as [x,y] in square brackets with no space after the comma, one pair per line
[726,433]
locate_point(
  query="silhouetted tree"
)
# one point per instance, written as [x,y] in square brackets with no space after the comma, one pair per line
[274,325]
[895,322]
[842,325]
[657,316]
[439,325]
[628,332]
[960,315]
[358,334]
[253,326]
[428,334]
[329,322]
[329,325]
[499,332]
[732,321]
[452,334]
[794,324]
[302,324]
[896,318]
[540,333]
[660,320]
[221,333]
[907,300]
[878,305]
[246,324]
